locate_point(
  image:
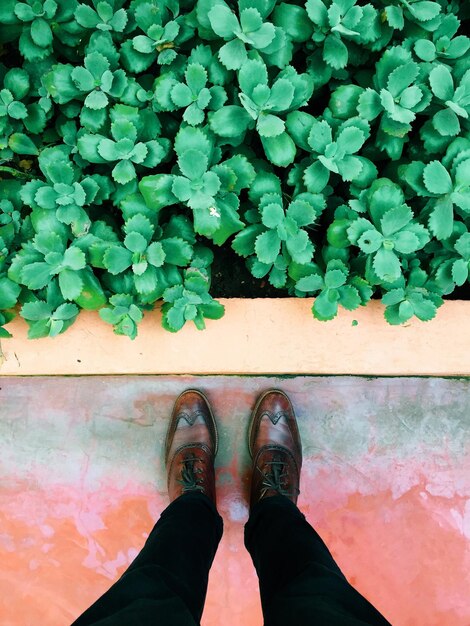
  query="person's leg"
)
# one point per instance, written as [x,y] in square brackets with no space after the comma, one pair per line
[300,583]
[167,582]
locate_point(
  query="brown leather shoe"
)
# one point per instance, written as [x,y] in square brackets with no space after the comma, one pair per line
[275,447]
[191,446]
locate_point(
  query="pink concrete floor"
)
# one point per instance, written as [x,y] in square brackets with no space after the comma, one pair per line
[386,483]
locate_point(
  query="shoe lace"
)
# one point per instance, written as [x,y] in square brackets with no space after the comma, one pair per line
[189,479]
[274,479]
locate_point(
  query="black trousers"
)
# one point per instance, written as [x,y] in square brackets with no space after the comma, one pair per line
[300,583]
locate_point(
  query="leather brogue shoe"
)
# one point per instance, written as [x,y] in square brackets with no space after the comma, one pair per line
[275,447]
[191,446]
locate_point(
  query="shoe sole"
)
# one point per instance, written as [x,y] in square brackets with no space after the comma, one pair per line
[214,424]
[255,410]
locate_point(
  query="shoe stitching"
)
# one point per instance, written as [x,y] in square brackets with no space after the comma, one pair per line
[190,417]
[274,417]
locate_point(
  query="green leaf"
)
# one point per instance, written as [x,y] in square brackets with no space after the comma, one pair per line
[395,219]
[156,191]
[233,54]
[140,224]
[244,171]
[177,251]
[143,44]
[313,282]
[370,241]
[406,242]
[230,121]
[320,136]
[265,37]
[387,265]
[70,284]
[193,164]
[97,64]
[147,281]
[35,311]
[36,275]
[423,308]
[108,150]
[317,12]
[135,242]
[22,144]
[175,318]
[280,150]
[41,32]
[294,20]
[17,110]
[424,10]
[92,296]
[270,125]
[46,241]
[22,11]
[410,97]
[74,258]
[316,177]
[156,254]
[251,21]
[395,16]
[244,242]
[66,311]
[272,215]
[96,100]
[267,246]
[335,278]
[252,73]
[9,292]
[349,297]
[446,122]
[83,78]
[350,167]
[460,272]
[46,197]
[181,188]
[437,179]
[350,140]
[462,246]
[335,52]
[86,16]
[458,46]
[196,77]
[223,21]
[117,259]
[213,310]
[181,95]
[324,307]
[441,82]
[394,296]
[124,172]
[302,212]
[402,77]
[369,105]
[442,218]
[193,115]
[425,50]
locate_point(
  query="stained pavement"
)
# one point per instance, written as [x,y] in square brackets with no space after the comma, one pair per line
[385,481]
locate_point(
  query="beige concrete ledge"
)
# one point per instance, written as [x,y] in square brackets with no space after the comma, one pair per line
[261,336]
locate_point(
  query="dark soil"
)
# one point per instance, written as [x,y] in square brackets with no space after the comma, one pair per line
[231,278]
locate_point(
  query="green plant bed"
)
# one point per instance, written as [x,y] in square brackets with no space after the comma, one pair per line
[326,142]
